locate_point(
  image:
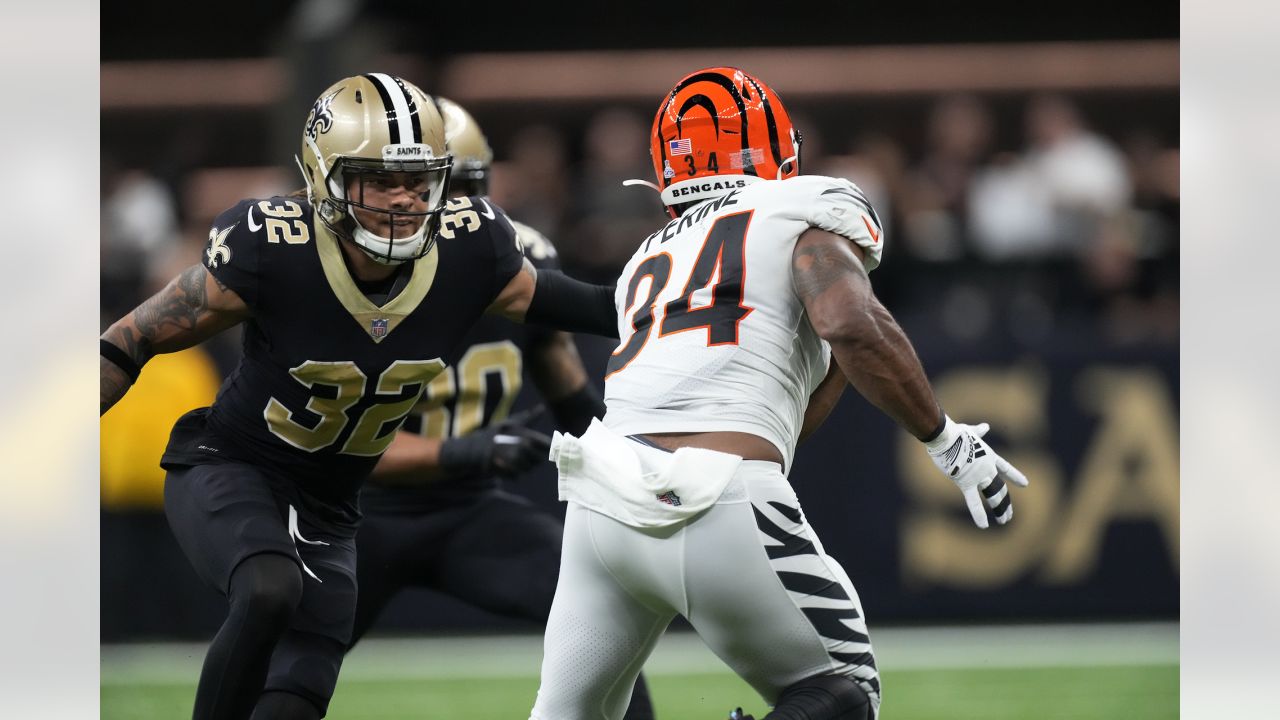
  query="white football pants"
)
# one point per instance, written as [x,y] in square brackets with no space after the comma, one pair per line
[749,575]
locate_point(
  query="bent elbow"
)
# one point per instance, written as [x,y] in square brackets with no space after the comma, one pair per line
[848,327]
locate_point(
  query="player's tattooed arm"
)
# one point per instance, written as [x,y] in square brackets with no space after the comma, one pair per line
[866,342]
[192,308]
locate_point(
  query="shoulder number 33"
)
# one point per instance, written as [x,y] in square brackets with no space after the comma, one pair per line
[723,259]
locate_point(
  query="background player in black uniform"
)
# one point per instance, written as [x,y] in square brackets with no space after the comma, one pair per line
[353,299]
[435,515]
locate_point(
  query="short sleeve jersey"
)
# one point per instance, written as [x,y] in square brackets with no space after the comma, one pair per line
[327,376]
[713,335]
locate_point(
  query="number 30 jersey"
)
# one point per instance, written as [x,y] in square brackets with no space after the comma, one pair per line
[713,335]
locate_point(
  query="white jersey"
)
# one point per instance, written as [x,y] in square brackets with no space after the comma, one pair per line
[713,336]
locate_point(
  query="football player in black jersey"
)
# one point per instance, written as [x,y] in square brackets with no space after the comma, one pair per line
[353,299]
[435,515]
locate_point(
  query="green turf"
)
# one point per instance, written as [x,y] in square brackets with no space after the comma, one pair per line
[1142,692]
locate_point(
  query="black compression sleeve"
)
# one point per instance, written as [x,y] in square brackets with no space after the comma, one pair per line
[573,412]
[563,303]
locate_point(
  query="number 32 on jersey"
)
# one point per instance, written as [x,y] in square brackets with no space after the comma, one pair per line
[397,388]
[721,264]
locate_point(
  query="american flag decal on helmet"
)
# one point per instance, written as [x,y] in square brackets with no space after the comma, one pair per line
[683,146]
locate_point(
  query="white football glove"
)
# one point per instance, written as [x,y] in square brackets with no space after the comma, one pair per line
[960,452]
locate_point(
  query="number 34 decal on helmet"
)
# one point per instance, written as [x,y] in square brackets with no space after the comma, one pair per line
[720,129]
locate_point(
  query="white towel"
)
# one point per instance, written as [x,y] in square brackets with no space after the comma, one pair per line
[604,472]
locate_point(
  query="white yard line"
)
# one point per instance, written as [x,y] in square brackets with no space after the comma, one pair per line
[905,648]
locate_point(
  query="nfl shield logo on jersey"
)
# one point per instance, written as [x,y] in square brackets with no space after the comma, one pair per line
[378,328]
[670,498]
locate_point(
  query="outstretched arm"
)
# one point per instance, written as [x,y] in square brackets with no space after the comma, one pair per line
[866,342]
[551,298]
[192,308]
[878,360]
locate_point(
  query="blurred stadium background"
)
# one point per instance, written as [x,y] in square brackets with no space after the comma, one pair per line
[1026,161]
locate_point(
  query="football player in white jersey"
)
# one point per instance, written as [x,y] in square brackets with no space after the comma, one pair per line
[741,322]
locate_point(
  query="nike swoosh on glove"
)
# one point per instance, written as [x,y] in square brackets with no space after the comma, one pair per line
[962,455]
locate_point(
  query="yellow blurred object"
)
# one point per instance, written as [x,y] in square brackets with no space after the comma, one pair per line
[136,430]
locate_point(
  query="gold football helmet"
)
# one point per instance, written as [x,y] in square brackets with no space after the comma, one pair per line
[365,126]
[472,156]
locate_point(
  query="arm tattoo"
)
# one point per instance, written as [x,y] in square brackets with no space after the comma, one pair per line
[177,317]
[179,305]
[816,267]
[112,386]
[124,338]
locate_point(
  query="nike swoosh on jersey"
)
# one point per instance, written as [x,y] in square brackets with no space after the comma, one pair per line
[488,211]
[875,236]
[252,226]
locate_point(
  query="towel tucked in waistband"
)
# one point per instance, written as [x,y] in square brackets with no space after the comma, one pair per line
[604,472]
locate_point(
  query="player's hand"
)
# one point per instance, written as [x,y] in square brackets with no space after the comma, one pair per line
[961,453]
[508,448]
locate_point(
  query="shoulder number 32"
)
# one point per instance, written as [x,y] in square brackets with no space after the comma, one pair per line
[722,258]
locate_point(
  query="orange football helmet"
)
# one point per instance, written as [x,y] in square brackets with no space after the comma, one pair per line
[724,124]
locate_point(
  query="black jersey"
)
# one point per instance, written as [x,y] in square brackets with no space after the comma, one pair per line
[327,376]
[477,390]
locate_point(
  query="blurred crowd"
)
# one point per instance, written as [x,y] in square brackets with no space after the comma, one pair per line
[1014,228]
[1047,233]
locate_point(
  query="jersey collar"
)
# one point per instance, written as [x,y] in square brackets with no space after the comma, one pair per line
[377,322]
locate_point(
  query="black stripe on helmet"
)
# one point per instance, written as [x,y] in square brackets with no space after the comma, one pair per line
[701,101]
[770,122]
[748,167]
[414,117]
[390,106]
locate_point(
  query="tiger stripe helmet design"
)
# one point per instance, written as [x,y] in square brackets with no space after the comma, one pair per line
[374,123]
[724,124]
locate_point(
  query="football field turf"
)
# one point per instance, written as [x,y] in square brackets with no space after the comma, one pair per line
[1014,673]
